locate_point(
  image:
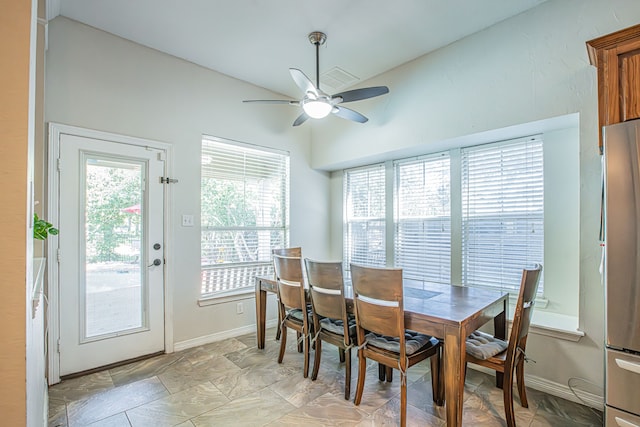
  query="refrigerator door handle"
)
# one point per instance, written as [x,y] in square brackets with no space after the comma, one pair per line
[625,423]
[629,366]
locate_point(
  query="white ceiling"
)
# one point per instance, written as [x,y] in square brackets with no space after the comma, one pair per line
[259,40]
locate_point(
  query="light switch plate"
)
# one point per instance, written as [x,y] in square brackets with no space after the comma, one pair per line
[187,220]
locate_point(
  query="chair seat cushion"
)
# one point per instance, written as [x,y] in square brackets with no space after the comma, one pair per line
[336,326]
[413,342]
[483,346]
[296,313]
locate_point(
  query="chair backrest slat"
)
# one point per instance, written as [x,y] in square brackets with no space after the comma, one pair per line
[525,304]
[380,319]
[378,300]
[297,252]
[327,288]
[290,282]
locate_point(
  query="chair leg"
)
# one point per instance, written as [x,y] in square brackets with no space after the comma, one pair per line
[499,379]
[307,350]
[316,359]
[347,375]
[520,380]
[437,379]
[298,335]
[507,393]
[362,372]
[278,331]
[389,374]
[382,371]
[283,342]
[403,401]
[341,354]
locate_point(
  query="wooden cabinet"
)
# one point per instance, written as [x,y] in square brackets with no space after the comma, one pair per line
[617,58]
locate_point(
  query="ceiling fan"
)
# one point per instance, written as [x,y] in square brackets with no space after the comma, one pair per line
[315,103]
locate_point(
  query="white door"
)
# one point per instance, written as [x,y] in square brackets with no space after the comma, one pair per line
[111,262]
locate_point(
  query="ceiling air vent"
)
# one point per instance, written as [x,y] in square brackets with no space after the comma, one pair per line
[337,78]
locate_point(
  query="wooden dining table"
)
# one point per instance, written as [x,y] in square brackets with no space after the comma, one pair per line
[448,312]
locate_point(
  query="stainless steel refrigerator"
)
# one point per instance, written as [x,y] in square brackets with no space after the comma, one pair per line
[622,273]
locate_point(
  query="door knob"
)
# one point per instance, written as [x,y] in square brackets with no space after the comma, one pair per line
[156,262]
[156,246]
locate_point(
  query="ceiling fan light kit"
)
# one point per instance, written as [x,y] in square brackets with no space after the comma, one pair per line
[316,108]
[317,104]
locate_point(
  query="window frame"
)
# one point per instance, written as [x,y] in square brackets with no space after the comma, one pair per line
[455,213]
[349,219]
[406,252]
[520,163]
[224,279]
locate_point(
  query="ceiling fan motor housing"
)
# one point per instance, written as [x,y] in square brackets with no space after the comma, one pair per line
[317,37]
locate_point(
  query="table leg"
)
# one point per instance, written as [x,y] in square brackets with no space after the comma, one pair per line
[500,331]
[454,361]
[261,312]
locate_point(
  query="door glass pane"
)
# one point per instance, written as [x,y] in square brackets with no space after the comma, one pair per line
[113,256]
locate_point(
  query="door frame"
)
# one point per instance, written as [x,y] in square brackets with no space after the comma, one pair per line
[55,131]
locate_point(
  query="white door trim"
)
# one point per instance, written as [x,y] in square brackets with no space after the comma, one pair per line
[53,312]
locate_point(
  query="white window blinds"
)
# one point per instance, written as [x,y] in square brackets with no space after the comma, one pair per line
[244,212]
[502,212]
[364,214]
[422,237]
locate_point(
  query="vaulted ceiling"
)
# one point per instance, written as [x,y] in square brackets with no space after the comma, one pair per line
[259,40]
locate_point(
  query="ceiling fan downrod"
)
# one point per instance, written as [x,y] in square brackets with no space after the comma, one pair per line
[317,38]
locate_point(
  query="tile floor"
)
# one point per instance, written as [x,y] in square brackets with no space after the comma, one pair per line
[232,383]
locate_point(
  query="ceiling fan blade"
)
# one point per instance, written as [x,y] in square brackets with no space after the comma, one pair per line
[303,81]
[359,94]
[301,119]
[346,113]
[272,101]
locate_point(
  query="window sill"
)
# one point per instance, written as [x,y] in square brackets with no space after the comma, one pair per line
[555,325]
[225,297]
[560,326]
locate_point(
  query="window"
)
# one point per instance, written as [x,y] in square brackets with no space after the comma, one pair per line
[422,241]
[502,212]
[364,217]
[244,213]
[472,216]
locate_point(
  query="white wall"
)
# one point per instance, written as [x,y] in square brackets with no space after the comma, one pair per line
[98,81]
[528,68]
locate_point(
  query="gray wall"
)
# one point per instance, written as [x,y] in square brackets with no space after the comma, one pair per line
[526,69]
[529,68]
[99,81]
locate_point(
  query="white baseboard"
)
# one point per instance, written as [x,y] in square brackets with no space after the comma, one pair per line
[555,389]
[219,336]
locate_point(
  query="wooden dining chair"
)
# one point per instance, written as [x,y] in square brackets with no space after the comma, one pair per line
[293,305]
[507,356]
[296,251]
[331,322]
[379,309]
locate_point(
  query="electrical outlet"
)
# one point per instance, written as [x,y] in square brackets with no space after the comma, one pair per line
[239,308]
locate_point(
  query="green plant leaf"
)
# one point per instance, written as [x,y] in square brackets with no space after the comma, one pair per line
[42,228]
